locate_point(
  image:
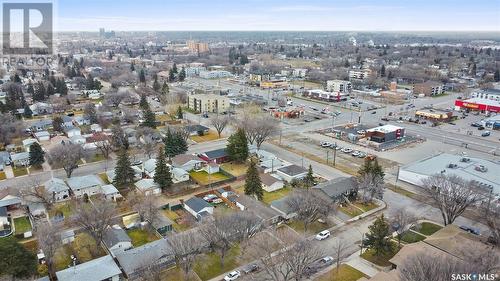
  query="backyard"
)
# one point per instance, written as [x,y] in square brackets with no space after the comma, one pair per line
[203,178]
[345,273]
[208,266]
[235,169]
[180,222]
[21,171]
[60,210]
[275,195]
[84,248]
[22,225]
[141,236]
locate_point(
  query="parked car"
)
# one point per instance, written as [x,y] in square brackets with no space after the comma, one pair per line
[326,260]
[232,276]
[326,144]
[361,132]
[323,235]
[210,197]
[251,268]
[476,124]
[361,155]
[470,229]
[485,134]
[338,148]
[346,150]
[355,153]
[374,112]
[480,128]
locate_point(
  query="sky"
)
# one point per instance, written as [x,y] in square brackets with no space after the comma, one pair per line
[249,15]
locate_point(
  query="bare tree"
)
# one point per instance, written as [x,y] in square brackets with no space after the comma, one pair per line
[452,195]
[65,155]
[145,136]
[95,217]
[146,207]
[10,128]
[491,215]
[151,272]
[309,206]
[103,143]
[258,127]
[185,247]
[226,230]
[402,220]
[340,251]
[49,240]
[35,192]
[219,123]
[115,98]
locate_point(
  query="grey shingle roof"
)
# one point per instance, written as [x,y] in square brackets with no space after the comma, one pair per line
[218,153]
[196,204]
[55,185]
[135,259]
[292,170]
[98,269]
[84,181]
[336,187]
[115,235]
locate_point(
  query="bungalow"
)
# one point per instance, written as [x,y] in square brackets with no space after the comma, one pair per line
[115,238]
[42,136]
[135,260]
[67,122]
[103,268]
[270,183]
[58,188]
[78,139]
[11,202]
[198,207]
[89,184]
[163,225]
[337,188]
[211,168]
[4,158]
[20,159]
[179,175]
[148,186]
[41,125]
[281,205]
[292,172]
[149,167]
[67,236]
[72,131]
[196,129]
[110,174]
[215,156]
[187,162]
[110,192]
[27,143]
[81,120]
[41,108]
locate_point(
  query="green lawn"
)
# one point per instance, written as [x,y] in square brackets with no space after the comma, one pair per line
[427,228]
[204,178]
[22,225]
[365,206]
[345,273]
[208,266]
[176,219]
[235,169]
[2,175]
[64,208]
[312,228]
[411,237]
[210,136]
[84,248]
[275,195]
[19,172]
[140,237]
[104,178]
[350,210]
[382,260]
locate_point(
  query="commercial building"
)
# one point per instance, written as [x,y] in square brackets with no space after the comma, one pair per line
[385,133]
[341,86]
[325,96]
[274,84]
[208,103]
[214,74]
[482,171]
[197,47]
[429,88]
[484,101]
[434,114]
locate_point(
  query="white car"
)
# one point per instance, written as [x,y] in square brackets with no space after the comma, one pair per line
[347,150]
[355,153]
[232,276]
[326,144]
[323,235]
[326,260]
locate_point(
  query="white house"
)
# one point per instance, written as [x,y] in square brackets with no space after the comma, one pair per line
[110,192]
[42,136]
[72,131]
[96,128]
[198,207]
[292,172]
[89,184]
[179,175]
[211,168]
[148,186]
[20,159]
[149,167]
[58,188]
[270,183]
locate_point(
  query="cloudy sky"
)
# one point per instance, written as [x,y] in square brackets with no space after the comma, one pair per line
[323,15]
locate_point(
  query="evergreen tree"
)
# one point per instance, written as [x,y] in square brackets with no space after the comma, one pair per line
[162,172]
[36,155]
[175,144]
[171,75]
[142,76]
[378,238]
[50,90]
[182,74]
[31,90]
[237,147]
[16,261]
[179,113]
[28,113]
[40,93]
[309,178]
[118,138]
[243,59]
[496,76]
[253,185]
[156,84]
[149,118]
[174,68]
[164,88]
[143,103]
[57,124]
[474,69]
[382,71]
[132,67]
[89,82]
[124,174]
[180,143]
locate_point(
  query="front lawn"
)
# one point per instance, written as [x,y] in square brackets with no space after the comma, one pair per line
[203,178]
[365,206]
[140,236]
[210,136]
[345,273]
[411,237]
[208,266]
[235,169]
[350,210]
[275,195]
[382,260]
[22,225]
[427,228]
[312,228]
[19,171]
[2,175]
[96,158]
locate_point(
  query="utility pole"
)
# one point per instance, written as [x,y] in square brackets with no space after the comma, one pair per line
[327,156]
[334,156]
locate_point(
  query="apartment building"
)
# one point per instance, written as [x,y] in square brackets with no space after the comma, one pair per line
[341,86]
[429,88]
[208,103]
[197,47]
[359,74]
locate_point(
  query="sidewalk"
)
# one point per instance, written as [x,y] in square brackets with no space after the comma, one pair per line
[360,264]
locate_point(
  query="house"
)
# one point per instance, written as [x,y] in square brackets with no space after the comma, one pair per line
[27,143]
[337,188]
[100,269]
[4,159]
[67,236]
[10,202]
[187,162]
[4,218]
[110,174]
[67,122]
[72,131]
[215,156]
[292,172]
[211,168]
[270,183]
[163,225]
[20,159]
[89,184]
[81,120]
[196,129]
[78,139]
[281,206]
[96,128]
[41,125]
[36,209]
[197,207]
[58,188]
[115,238]
[42,136]
[110,192]
[149,167]
[148,186]
[41,108]
[134,261]
[179,175]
